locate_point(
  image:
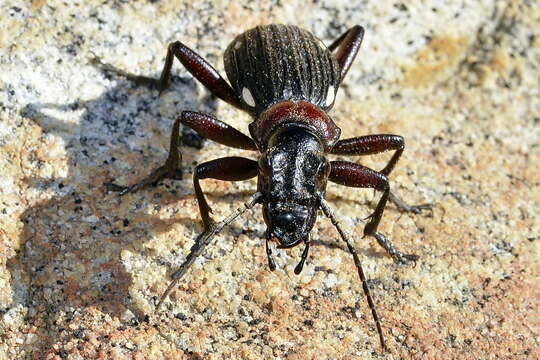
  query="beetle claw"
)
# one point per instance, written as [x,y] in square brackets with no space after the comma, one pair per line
[405,258]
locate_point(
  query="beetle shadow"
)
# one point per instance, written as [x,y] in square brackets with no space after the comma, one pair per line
[75,243]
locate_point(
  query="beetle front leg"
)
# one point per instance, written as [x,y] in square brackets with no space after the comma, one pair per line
[201,70]
[227,169]
[376,144]
[346,47]
[354,175]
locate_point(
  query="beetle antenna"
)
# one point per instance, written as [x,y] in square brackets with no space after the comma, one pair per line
[330,214]
[204,239]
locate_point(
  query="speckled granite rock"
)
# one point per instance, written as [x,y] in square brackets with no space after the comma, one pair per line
[81,269]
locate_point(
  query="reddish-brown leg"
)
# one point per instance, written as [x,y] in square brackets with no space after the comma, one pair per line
[201,70]
[211,128]
[346,47]
[206,126]
[227,169]
[193,62]
[375,144]
[372,144]
[355,175]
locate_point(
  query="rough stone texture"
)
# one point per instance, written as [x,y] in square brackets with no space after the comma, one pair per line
[81,269]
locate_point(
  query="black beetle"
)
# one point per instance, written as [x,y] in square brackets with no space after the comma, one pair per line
[287,80]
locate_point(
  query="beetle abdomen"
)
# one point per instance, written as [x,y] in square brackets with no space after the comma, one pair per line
[271,63]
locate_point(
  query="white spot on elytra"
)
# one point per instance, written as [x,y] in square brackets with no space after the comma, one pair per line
[321,44]
[237,45]
[330,96]
[248,97]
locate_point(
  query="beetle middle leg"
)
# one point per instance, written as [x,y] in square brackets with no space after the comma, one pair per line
[375,144]
[355,175]
[206,126]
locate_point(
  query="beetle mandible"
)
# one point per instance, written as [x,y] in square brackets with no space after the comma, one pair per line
[287,80]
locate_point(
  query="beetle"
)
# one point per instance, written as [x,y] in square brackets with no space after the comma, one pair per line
[287,80]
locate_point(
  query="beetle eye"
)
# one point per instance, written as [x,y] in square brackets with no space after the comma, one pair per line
[315,160]
[313,166]
[323,169]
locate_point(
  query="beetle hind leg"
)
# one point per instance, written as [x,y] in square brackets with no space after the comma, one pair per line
[139,80]
[345,48]
[201,70]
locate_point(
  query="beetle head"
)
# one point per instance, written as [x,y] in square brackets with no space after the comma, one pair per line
[293,172]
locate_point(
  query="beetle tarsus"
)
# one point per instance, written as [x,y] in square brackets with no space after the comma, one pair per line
[396,255]
[404,207]
[155,177]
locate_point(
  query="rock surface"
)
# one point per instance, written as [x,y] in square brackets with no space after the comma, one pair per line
[81,269]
